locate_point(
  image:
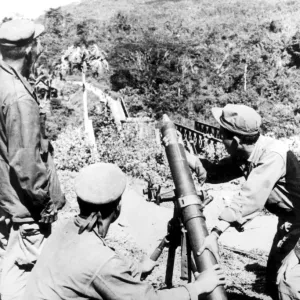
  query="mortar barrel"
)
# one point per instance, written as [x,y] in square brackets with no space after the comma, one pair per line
[189,202]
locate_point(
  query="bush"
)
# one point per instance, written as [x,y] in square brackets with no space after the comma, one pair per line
[165,61]
[60,118]
[71,150]
[137,157]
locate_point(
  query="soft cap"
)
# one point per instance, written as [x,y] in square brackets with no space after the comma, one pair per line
[100,183]
[238,118]
[19,32]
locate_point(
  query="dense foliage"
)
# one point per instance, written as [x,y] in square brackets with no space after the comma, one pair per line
[163,60]
[134,149]
[184,61]
[137,156]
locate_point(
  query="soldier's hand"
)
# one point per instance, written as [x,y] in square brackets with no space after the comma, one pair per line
[208,280]
[48,214]
[200,172]
[211,244]
[5,218]
[166,140]
[147,265]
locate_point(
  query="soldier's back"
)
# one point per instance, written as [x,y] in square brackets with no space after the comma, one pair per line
[67,265]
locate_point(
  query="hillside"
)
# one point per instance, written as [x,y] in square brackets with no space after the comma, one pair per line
[184,57]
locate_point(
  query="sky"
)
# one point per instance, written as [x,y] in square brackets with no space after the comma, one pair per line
[29,8]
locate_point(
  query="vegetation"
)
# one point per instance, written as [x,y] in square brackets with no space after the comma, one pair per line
[184,57]
[180,61]
[137,156]
[180,57]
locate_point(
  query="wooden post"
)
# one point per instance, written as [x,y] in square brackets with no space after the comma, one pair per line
[88,125]
[157,137]
[115,106]
[84,98]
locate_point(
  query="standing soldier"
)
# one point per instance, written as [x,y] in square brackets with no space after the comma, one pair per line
[30,193]
[78,264]
[272,175]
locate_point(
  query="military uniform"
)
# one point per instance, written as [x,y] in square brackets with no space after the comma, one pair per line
[76,262]
[82,266]
[272,175]
[28,180]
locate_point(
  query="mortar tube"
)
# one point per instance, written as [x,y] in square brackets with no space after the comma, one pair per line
[189,203]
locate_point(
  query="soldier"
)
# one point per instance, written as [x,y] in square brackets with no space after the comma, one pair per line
[30,191]
[77,262]
[272,175]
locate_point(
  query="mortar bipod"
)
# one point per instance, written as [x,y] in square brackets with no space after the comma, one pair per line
[176,236]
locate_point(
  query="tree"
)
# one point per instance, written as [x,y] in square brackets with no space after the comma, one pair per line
[87,32]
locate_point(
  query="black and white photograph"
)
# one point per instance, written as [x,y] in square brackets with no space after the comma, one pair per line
[150,150]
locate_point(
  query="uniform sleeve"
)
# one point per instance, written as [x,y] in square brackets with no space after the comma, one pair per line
[196,165]
[297,249]
[27,167]
[223,171]
[256,190]
[55,191]
[114,281]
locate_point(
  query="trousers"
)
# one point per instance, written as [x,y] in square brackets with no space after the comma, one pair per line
[284,242]
[23,248]
[4,234]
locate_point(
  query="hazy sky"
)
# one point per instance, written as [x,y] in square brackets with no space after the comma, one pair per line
[29,8]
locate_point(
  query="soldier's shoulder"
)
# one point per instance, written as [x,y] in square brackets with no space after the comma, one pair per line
[99,253]
[11,86]
[276,146]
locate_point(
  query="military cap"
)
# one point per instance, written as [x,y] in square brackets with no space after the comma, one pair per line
[100,183]
[19,32]
[238,118]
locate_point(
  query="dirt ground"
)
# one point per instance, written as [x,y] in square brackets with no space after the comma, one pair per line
[142,225]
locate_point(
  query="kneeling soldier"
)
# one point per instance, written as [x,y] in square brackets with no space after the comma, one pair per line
[272,175]
[77,263]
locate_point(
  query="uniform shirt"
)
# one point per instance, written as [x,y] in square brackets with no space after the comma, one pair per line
[272,175]
[24,177]
[82,266]
[297,249]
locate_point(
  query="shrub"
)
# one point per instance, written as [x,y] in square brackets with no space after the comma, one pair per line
[71,150]
[137,157]
[167,61]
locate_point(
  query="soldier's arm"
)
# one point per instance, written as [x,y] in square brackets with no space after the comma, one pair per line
[114,280]
[26,165]
[297,249]
[211,172]
[254,193]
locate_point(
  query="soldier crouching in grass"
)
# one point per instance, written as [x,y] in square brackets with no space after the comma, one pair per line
[78,264]
[272,175]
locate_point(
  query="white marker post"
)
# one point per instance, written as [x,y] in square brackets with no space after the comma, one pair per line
[88,125]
